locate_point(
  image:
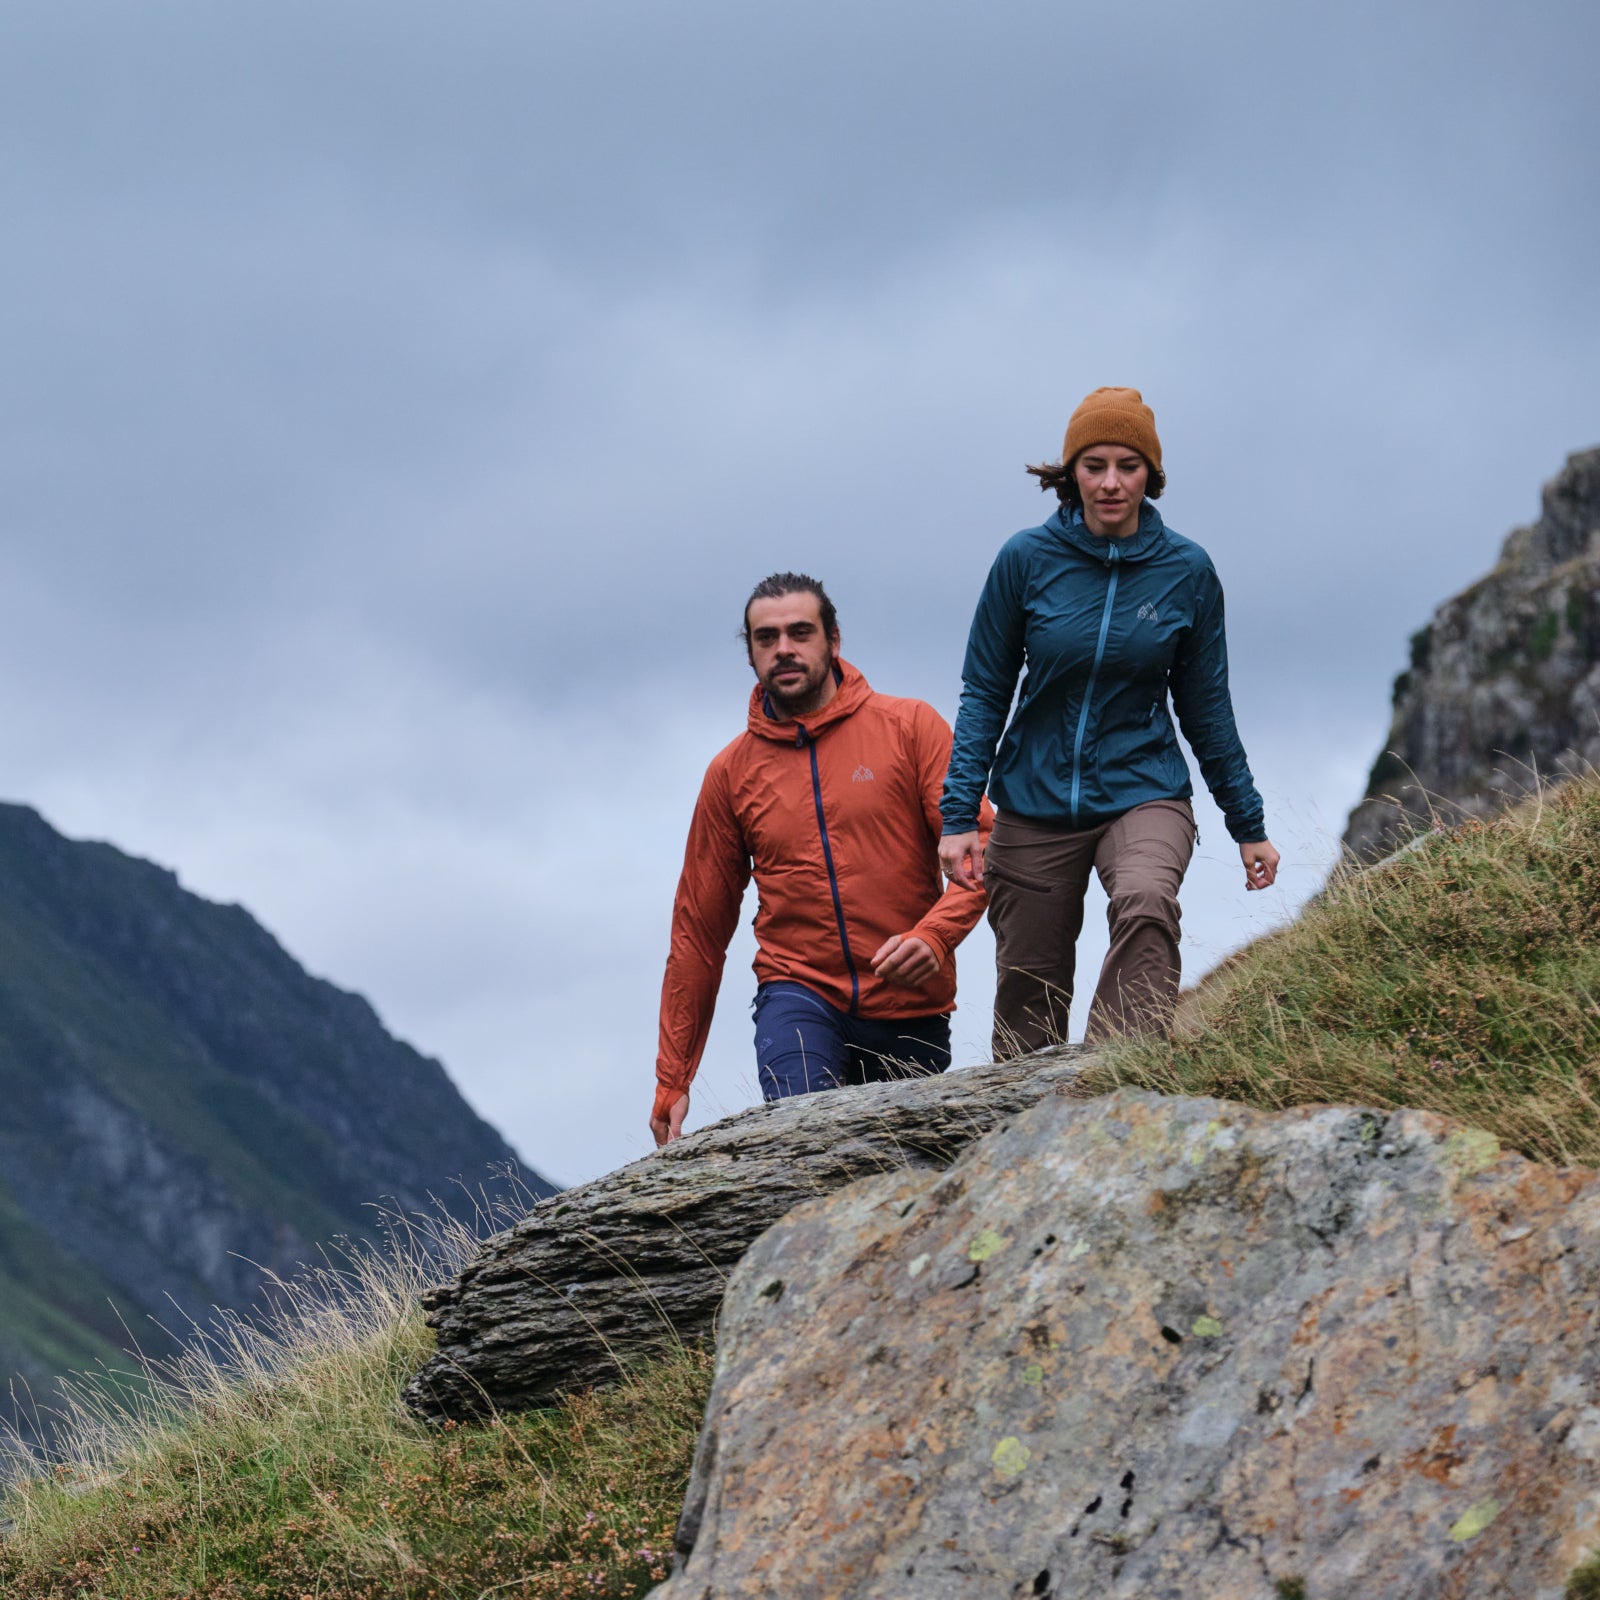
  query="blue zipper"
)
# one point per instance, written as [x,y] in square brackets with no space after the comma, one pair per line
[833,877]
[1088,693]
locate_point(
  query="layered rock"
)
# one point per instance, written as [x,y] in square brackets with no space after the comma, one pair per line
[1162,1348]
[1503,683]
[615,1268]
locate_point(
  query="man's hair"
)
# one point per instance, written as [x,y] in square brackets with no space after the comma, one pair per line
[1058,475]
[782,583]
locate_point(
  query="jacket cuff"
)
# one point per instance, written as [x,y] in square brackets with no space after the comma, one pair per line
[1249,833]
[958,827]
[933,942]
[666,1098]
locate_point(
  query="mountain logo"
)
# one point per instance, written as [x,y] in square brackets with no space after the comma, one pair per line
[1148,613]
[862,775]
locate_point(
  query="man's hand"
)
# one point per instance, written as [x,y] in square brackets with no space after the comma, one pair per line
[961,859]
[1260,864]
[910,963]
[670,1127]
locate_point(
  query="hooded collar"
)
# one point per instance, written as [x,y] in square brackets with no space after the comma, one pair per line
[853,692]
[1070,527]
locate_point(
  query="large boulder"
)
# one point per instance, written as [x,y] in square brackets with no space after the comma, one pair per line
[1164,1348]
[614,1269]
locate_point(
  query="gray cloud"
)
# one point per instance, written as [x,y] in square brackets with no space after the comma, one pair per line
[399,403]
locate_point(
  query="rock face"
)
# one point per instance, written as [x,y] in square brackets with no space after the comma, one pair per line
[614,1268]
[1504,680]
[1156,1348]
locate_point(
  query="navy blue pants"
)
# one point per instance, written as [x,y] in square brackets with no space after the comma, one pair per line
[804,1044]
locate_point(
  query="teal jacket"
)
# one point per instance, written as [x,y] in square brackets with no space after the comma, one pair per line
[1106,629]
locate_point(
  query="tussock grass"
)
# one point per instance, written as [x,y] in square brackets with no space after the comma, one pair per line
[1463,976]
[275,1461]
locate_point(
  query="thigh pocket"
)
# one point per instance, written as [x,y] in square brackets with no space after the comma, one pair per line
[1014,877]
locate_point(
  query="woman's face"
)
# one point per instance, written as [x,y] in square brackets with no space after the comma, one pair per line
[1111,479]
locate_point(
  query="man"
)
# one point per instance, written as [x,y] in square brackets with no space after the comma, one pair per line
[831,798]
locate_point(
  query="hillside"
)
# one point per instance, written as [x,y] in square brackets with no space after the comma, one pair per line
[186,1109]
[1465,979]
[1503,682]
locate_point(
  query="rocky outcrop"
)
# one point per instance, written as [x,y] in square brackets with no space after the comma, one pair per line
[1164,1348]
[615,1268]
[1503,683]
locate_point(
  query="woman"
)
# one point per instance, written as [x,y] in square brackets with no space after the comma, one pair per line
[1109,612]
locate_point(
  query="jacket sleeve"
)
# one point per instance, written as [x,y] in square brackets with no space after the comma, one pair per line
[716,868]
[955,913]
[1199,680]
[989,674]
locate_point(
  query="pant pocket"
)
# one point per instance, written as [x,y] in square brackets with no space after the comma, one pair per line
[1014,878]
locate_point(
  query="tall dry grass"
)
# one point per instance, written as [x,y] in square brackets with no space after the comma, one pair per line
[1463,976]
[275,1460]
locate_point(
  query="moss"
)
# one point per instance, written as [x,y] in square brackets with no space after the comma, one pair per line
[1542,639]
[1584,1583]
[1422,649]
[1290,1589]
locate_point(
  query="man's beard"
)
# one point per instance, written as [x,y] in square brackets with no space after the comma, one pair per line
[799,700]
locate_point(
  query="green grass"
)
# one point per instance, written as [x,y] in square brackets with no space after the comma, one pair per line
[278,1463]
[1463,977]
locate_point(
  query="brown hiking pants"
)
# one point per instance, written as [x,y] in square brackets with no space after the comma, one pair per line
[1037,874]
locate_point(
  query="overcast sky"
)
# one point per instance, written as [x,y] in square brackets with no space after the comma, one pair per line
[397,403]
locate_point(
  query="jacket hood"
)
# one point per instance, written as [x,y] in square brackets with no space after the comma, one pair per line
[854,691]
[1072,530]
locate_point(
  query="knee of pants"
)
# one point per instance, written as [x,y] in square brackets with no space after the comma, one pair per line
[791,1072]
[1145,904]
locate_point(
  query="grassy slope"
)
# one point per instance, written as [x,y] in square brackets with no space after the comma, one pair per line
[290,1470]
[55,1311]
[1464,977]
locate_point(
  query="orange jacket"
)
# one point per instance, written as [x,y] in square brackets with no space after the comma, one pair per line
[838,815]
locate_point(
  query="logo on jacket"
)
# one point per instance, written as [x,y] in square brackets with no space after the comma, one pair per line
[861,775]
[1148,613]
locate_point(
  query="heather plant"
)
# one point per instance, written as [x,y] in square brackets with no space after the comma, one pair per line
[1462,976]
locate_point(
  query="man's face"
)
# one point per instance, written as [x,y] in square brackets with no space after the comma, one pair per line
[792,656]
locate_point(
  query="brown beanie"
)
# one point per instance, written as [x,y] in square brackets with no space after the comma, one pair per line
[1114,416]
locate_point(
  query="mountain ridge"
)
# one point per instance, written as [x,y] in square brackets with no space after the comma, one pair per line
[187,1110]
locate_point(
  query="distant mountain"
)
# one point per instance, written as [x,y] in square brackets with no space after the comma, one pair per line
[1503,683]
[183,1108]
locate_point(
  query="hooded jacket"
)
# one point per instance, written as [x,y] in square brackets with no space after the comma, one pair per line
[837,815]
[1107,630]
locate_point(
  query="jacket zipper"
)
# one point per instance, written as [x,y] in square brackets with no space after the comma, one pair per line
[1094,672]
[833,877]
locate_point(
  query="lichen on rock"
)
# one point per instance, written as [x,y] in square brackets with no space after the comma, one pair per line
[1325,1352]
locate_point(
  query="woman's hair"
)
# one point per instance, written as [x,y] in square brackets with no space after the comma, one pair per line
[1058,475]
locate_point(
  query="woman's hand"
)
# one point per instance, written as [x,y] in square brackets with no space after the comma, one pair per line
[1260,864]
[961,859]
